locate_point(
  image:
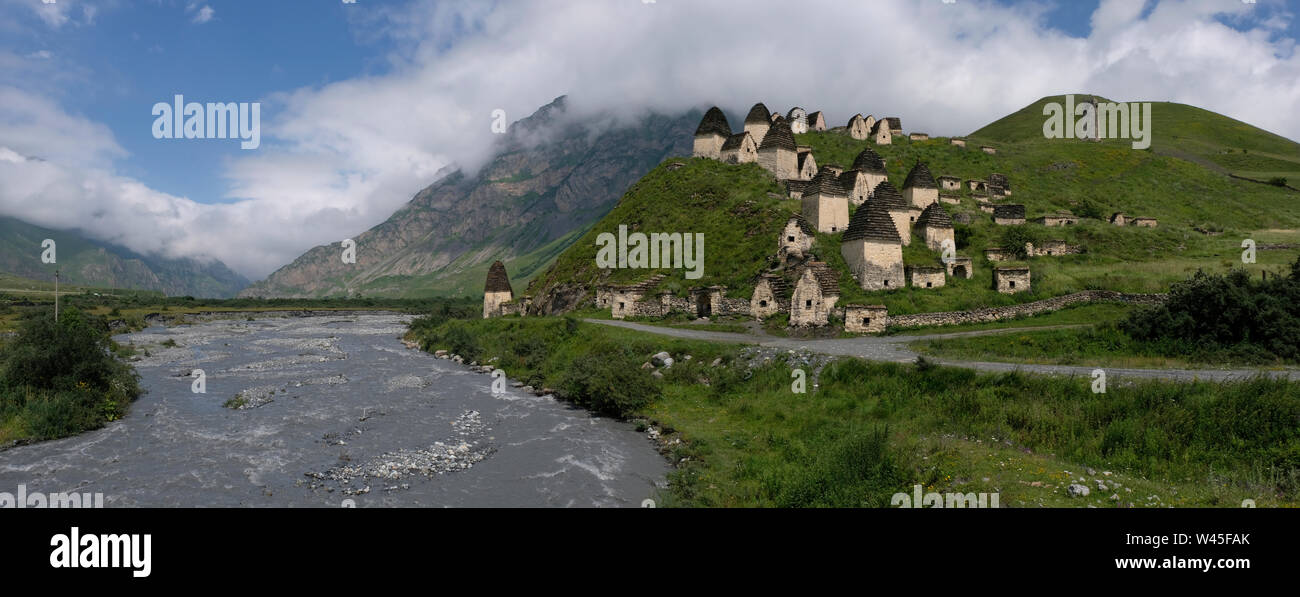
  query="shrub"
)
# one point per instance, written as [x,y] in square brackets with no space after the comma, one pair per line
[607,380]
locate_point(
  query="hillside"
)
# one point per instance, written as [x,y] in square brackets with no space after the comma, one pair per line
[524,207]
[89,263]
[1194,134]
[1089,179]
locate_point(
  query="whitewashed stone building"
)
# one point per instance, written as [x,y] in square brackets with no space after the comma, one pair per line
[711,134]
[825,204]
[757,122]
[872,248]
[778,152]
[919,188]
[814,295]
[739,149]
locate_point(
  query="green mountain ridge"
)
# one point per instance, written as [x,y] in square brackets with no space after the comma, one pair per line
[86,262]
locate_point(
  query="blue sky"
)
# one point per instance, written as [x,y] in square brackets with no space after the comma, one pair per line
[362,104]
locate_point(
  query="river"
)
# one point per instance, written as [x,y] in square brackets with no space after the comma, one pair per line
[336,410]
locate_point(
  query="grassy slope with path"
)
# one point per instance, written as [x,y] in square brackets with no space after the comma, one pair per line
[868,430]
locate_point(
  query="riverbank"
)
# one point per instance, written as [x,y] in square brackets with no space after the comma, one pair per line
[860,431]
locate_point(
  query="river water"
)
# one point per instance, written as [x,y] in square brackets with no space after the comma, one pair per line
[335,409]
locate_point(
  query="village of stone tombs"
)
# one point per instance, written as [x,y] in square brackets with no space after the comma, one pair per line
[874,221]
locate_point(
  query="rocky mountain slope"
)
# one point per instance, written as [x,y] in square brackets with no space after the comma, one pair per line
[86,262]
[553,176]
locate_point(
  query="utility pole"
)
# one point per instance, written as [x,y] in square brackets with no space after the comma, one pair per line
[56,296]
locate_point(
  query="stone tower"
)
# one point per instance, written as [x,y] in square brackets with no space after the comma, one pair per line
[778,153]
[873,250]
[711,134]
[919,189]
[825,204]
[899,210]
[935,225]
[497,291]
[757,122]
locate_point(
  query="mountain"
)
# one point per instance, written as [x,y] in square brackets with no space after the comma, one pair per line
[86,262]
[553,175]
[1183,180]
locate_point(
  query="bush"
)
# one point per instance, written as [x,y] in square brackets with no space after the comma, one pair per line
[1015,237]
[1230,313]
[607,380]
[62,378]
[1277,181]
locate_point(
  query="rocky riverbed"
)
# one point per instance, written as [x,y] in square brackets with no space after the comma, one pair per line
[328,409]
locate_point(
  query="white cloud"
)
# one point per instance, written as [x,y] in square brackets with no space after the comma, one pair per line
[204,14]
[339,158]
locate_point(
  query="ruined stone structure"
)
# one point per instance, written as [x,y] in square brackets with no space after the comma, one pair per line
[868,172]
[1023,309]
[1144,222]
[1008,215]
[960,267]
[935,226]
[997,190]
[900,211]
[627,301]
[833,169]
[816,121]
[796,239]
[825,204]
[771,296]
[795,188]
[1119,219]
[708,300]
[865,319]
[880,133]
[1060,218]
[1051,248]
[919,137]
[959,142]
[873,249]
[739,149]
[926,276]
[949,183]
[857,127]
[814,296]
[919,188]
[1010,280]
[758,122]
[807,166]
[988,149]
[949,199]
[895,125]
[778,153]
[978,185]
[798,119]
[999,254]
[711,134]
[1000,180]
[497,291]
[984,205]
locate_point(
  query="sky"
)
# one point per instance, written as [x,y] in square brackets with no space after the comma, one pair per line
[364,103]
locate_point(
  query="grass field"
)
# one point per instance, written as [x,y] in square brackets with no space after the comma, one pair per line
[866,431]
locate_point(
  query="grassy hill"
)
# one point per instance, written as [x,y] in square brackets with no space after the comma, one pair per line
[740,209]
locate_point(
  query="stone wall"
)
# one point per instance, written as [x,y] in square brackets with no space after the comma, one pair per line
[865,319]
[876,265]
[934,237]
[708,146]
[1024,309]
[826,213]
[1011,280]
[492,302]
[920,198]
[782,163]
[926,277]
